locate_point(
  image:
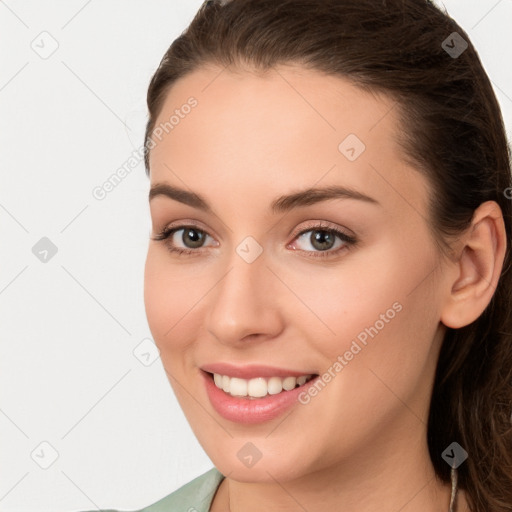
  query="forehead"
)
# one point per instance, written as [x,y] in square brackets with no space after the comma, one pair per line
[288,101]
[287,126]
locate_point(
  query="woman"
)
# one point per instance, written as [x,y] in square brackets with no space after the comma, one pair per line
[328,277]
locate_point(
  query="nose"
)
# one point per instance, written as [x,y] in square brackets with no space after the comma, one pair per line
[244,304]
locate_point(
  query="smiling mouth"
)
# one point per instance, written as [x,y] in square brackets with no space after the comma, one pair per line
[258,387]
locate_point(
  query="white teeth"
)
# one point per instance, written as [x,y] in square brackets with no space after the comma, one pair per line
[259,386]
[256,387]
[238,387]
[225,383]
[289,383]
[274,385]
[301,380]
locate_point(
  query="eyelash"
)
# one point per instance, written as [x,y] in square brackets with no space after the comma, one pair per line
[349,241]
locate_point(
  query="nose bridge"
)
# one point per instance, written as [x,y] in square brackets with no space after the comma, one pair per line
[242,303]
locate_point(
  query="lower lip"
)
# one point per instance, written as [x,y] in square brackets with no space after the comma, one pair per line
[250,411]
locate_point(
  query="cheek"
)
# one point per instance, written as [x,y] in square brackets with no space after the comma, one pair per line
[169,298]
[385,319]
[377,308]
[340,300]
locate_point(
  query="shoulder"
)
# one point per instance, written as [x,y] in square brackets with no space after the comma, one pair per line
[195,496]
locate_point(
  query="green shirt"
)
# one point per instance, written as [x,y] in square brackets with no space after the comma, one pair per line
[195,496]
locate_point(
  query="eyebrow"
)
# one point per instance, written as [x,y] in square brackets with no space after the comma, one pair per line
[281,204]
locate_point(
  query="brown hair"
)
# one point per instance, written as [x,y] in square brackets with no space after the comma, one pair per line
[452,130]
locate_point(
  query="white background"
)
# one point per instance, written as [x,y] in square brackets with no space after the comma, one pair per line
[68,374]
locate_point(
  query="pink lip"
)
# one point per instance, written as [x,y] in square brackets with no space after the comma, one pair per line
[252,371]
[249,411]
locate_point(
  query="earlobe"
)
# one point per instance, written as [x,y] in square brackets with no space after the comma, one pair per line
[478,268]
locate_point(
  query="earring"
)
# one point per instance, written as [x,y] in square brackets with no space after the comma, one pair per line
[454,477]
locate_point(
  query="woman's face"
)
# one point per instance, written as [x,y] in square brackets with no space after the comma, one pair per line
[268,291]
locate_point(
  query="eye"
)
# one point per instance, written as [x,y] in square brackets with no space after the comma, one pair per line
[323,238]
[191,236]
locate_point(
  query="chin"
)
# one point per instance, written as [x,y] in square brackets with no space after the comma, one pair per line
[256,459]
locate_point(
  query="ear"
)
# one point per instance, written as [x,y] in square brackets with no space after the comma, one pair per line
[475,272]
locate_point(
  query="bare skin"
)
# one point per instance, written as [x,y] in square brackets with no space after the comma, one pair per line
[360,444]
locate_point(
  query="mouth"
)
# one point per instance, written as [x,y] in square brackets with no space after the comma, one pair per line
[258,387]
[274,395]
[254,393]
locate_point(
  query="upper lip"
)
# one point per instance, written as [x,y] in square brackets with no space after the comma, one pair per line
[251,371]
